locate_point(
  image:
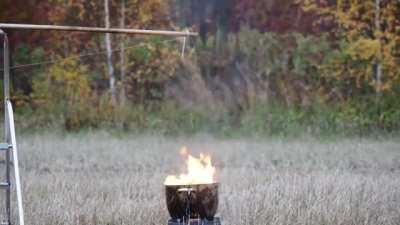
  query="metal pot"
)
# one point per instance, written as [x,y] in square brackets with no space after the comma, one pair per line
[192,201]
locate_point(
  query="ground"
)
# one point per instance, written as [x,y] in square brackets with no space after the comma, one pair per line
[98,178]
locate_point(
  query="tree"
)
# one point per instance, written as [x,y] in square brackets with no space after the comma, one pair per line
[369,43]
[378,63]
[122,53]
[110,66]
[64,89]
[275,16]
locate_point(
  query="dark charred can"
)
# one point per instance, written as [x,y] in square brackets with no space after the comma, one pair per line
[192,201]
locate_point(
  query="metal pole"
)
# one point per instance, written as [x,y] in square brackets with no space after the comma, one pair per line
[96,29]
[183,47]
[6,80]
[8,190]
[6,60]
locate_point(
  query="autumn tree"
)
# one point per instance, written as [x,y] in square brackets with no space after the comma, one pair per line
[122,53]
[110,66]
[370,35]
[149,14]
[273,16]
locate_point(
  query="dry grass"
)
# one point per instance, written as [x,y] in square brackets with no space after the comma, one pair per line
[100,179]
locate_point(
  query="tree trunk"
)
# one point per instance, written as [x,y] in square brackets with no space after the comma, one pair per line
[378,65]
[111,75]
[122,54]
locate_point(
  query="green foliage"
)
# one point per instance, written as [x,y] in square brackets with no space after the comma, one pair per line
[152,64]
[22,79]
[64,90]
[310,51]
[261,51]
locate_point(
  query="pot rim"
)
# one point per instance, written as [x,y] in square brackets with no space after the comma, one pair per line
[176,185]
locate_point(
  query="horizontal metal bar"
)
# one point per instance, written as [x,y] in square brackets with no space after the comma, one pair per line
[95,29]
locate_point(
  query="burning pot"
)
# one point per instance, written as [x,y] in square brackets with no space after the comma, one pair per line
[193,195]
[192,201]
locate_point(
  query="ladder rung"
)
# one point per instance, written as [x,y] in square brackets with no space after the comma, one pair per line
[4,147]
[4,185]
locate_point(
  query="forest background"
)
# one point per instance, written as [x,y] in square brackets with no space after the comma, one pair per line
[258,68]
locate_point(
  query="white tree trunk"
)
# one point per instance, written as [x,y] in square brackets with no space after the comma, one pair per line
[111,75]
[378,71]
[122,54]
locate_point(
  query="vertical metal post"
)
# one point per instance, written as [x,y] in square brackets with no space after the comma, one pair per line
[6,60]
[8,190]
[184,45]
[6,86]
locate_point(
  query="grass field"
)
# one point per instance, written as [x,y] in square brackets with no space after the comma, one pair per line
[102,179]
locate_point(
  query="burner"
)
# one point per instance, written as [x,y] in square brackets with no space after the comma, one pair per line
[215,221]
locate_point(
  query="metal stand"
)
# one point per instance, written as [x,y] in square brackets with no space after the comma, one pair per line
[215,221]
[10,146]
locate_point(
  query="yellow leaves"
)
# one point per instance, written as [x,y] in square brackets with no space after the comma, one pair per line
[365,49]
[64,83]
[371,38]
[308,5]
[314,7]
[71,76]
[64,90]
[149,13]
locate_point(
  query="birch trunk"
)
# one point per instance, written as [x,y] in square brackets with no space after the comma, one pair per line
[378,65]
[110,66]
[122,54]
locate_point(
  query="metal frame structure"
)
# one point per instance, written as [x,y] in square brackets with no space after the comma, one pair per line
[96,30]
[10,144]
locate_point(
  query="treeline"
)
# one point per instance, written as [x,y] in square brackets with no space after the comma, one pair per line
[259,67]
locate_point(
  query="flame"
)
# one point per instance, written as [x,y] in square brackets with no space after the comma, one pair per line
[199,171]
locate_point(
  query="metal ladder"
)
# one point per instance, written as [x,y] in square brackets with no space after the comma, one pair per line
[9,147]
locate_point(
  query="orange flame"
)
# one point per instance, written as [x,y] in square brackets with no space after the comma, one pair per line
[199,171]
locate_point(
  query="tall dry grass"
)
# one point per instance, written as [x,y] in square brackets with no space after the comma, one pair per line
[101,179]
